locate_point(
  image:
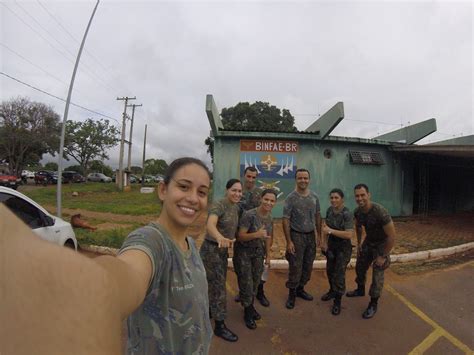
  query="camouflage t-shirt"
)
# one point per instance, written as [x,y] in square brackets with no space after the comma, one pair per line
[251,221]
[250,199]
[341,220]
[228,218]
[174,317]
[373,221]
[301,211]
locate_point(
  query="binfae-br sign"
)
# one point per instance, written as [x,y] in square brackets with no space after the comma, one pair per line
[268,146]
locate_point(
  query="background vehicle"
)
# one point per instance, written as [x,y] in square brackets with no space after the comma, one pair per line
[10,181]
[45,177]
[27,175]
[43,224]
[73,176]
[98,177]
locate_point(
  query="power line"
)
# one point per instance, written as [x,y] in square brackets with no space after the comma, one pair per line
[71,36]
[61,44]
[57,97]
[51,44]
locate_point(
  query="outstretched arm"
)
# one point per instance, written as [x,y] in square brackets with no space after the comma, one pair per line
[55,300]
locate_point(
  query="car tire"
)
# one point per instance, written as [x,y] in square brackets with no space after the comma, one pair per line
[70,244]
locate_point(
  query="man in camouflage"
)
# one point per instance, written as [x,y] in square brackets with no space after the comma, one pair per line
[253,243]
[301,225]
[373,219]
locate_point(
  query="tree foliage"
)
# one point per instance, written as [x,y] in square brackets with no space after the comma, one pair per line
[52,166]
[137,170]
[27,131]
[89,140]
[259,116]
[155,166]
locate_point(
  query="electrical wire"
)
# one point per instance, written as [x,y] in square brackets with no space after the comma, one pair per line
[57,97]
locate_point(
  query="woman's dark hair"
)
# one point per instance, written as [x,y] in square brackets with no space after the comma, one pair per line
[179,163]
[232,182]
[269,191]
[337,191]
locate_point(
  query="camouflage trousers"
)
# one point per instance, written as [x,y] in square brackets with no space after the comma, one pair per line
[215,263]
[367,256]
[301,262]
[248,265]
[338,257]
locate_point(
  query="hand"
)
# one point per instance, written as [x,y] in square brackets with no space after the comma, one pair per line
[267,262]
[290,247]
[225,243]
[326,229]
[262,233]
[379,261]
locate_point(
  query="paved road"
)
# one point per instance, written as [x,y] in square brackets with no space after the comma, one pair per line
[431,313]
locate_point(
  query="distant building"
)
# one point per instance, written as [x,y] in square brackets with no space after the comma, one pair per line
[406,178]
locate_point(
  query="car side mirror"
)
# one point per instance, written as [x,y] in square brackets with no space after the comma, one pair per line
[48,221]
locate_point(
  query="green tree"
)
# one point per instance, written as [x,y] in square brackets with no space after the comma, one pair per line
[89,140]
[136,170]
[51,166]
[76,168]
[155,166]
[259,116]
[27,131]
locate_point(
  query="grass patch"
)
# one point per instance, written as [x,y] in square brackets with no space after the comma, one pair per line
[112,238]
[98,197]
[431,265]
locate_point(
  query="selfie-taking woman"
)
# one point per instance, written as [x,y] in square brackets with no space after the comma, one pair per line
[222,226]
[173,316]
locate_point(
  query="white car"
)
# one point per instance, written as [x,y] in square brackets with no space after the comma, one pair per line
[42,223]
[98,177]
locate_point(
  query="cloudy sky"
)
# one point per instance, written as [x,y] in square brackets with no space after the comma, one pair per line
[391,63]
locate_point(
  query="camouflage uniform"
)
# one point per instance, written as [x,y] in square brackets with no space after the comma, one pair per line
[373,246]
[248,256]
[301,212]
[339,250]
[215,258]
[250,199]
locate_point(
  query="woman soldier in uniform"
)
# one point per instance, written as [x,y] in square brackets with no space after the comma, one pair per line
[222,226]
[253,244]
[337,230]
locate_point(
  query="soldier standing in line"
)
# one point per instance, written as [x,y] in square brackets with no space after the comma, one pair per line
[337,230]
[222,226]
[252,246]
[251,195]
[302,226]
[376,247]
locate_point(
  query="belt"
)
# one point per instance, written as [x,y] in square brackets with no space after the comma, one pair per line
[294,230]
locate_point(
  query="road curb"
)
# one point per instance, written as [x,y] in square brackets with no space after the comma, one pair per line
[321,264]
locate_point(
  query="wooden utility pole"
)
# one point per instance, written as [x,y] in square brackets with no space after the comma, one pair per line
[130,139]
[143,159]
[119,176]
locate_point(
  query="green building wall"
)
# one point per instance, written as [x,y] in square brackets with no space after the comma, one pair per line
[390,184]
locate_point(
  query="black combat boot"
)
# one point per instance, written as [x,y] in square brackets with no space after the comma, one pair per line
[358,292]
[328,296]
[301,293]
[261,295]
[256,315]
[290,303]
[223,332]
[336,307]
[371,309]
[248,318]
